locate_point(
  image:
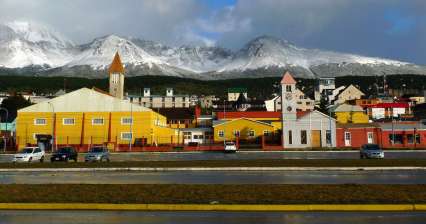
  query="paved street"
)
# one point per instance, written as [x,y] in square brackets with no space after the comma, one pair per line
[217,177]
[243,155]
[109,217]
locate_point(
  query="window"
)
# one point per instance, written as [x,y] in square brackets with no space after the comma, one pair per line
[126,120]
[288,88]
[395,138]
[328,137]
[303,137]
[220,133]
[97,121]
[251,133]
[40,121]
[290,137]
[237,133]
[410,139]
[186,135]
[126,135]
[68,121]
[265,133]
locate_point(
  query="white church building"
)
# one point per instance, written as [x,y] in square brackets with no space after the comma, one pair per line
[310,129]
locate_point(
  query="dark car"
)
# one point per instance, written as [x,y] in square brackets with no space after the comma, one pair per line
[64,154]
[370,151]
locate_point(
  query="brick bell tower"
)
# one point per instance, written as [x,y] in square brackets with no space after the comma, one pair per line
[116,78]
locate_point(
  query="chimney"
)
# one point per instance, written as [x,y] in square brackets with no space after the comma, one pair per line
[169,92]
[146,92]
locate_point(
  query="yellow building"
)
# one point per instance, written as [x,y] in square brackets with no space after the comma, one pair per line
[346,113]
[243,128]
[86,117]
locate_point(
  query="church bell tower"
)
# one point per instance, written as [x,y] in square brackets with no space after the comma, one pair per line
[116,78]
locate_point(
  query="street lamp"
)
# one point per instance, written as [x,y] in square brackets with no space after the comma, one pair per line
[53,126]
[7,119]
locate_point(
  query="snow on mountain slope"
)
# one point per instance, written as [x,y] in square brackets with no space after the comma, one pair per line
[192,58]
[265,51]
[27,44]
[99,53]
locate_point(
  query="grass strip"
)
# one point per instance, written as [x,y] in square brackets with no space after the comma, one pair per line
[232,163]
[214,194]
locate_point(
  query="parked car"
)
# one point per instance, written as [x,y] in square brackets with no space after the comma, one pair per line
[64,154]
[97,153]
[29,154]
[371,151]
[230,147]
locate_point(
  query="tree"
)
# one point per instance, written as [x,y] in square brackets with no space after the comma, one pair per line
[13,104]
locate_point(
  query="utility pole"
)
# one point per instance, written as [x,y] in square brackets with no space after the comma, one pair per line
[53,126]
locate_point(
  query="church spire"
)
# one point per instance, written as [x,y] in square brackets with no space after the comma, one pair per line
[116,77]
[116,65]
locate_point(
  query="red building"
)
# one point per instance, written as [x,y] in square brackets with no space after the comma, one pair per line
[355,135]
[387,135]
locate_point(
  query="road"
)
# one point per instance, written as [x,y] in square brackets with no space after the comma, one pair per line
[217,177]
[243,155]
[109,217]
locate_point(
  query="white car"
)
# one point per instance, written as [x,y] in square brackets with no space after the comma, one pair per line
[29,154]
[230,147]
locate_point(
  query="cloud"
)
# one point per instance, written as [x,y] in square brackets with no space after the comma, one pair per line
[387,28]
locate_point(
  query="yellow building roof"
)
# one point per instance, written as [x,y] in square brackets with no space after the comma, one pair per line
[84,100]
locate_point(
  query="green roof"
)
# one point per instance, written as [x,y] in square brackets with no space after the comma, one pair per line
[237,90]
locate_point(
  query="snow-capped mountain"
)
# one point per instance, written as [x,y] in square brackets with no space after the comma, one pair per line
[98,53]
[268,51]
[24,44]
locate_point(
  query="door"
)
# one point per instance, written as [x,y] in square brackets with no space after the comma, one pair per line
[370,138]
[315,138]
[347,139]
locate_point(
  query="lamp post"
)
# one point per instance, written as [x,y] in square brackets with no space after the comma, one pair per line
[53,126]
[7,119]
[224,117]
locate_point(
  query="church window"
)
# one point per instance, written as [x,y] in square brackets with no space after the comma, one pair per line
[288,88]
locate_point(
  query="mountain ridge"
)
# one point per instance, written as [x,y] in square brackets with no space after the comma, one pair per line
[24,44]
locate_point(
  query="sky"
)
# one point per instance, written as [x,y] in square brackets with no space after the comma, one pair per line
[393,29]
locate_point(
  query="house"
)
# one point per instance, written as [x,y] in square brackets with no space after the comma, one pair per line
[234,93]
[303,102]
[307,130]
[346,113]
[170,100]
[402,134]
[348,93]
[270,117]
[324,88]
[197,135]
[207,101]
[388,110]
[242,129]
[355,135]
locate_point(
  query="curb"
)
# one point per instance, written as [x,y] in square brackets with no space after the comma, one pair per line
[213,207]
[166,169]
